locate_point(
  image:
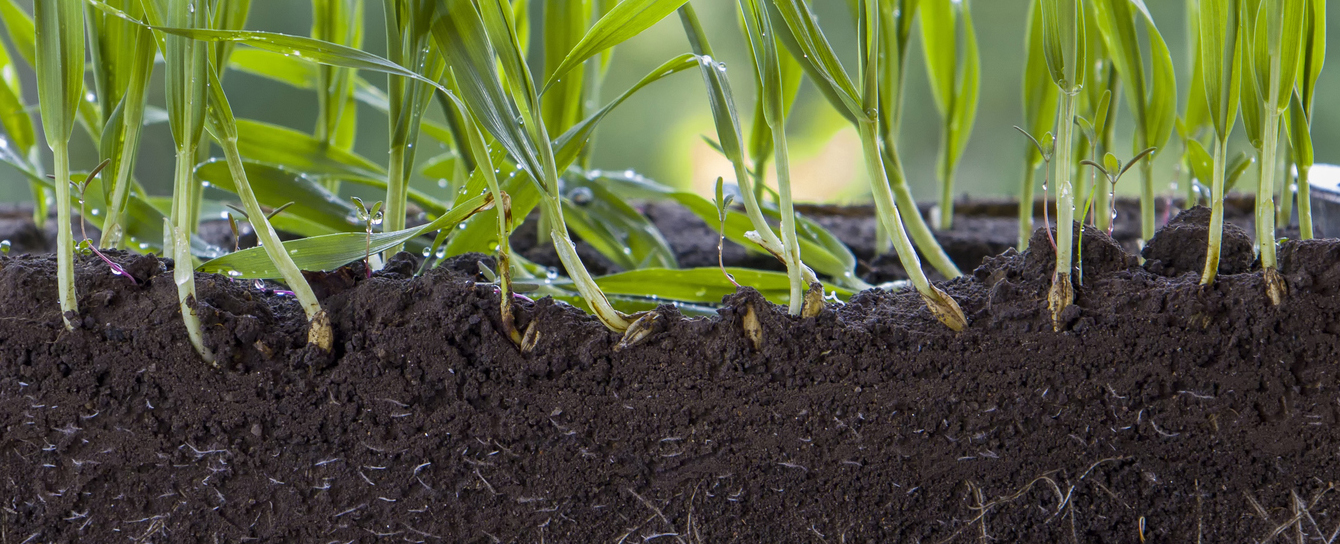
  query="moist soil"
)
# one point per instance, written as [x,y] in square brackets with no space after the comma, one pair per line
[1161,412]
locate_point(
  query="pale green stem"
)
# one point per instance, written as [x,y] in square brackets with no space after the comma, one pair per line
[946,178]
[915,225]
[396,194]
[1065,186]
[1286,191]
[888,210]
[183,272]
[266,235]
[1207,276]
[1265,190]
[1147,213]
[1026,203]
[69,299]
[1304,203]
[790,245]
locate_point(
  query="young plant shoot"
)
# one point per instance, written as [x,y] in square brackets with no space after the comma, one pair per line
[408,43]
[1300,112]
[955,78]
[1275,30]
[122,54]
[802,36]
[340,22]
[222,126]
[1221,46]
[1064,45]
[187,80]
[1040,99]
[1151,93]
[768,72]
[60,88]
[478,39]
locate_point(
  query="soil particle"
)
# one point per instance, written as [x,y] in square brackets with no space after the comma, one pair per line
[1165,412]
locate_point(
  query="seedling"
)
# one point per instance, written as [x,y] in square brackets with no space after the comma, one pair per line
[1045,153]
[85,244]
[1269,73]
[1151,93]
[1112,169]
[371,216]
[802,36]
[1040,99]
[232,222]
[60,87]
[1221,48]
[1064,45]
[723,203]
[955,75]
[1300,111]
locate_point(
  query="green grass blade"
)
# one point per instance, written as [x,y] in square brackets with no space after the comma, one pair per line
[21,29]
[462,38]
[14,117]
[564,25]
[332,251]
[297,151]
[939,37]
[294,72]
[627,19]
[797,30]
[702,285]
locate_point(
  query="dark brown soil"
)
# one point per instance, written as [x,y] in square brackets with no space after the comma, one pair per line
[1164,412]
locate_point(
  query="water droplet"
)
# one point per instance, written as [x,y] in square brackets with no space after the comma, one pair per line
[293,252]
[551,273]
[427,251]
[4,247]
[234,274]
[700,293]
[95,212]
[143,245]
[259,284]
[442,183]
[581,196]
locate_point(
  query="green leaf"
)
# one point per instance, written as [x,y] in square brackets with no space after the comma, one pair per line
[315,210]
[966,96]
[22,30]
[1221,46]
[1202,164]
[939,36]
[1040,93]
[822,251]
[292,71]
[60,66]
[460,34]
[1236,168]
[1300,134]
[564,25]
[1314,51]
[297,151]
[13,112]
[628,18]
[1253,46]
[701,285]
[332,251]
[798,30]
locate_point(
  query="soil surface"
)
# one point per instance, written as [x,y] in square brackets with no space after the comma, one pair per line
[1163,412]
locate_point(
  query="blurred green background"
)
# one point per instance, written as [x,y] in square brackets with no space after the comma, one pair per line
[657,132]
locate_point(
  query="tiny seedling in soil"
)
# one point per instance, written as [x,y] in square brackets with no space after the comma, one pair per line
[371,216]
